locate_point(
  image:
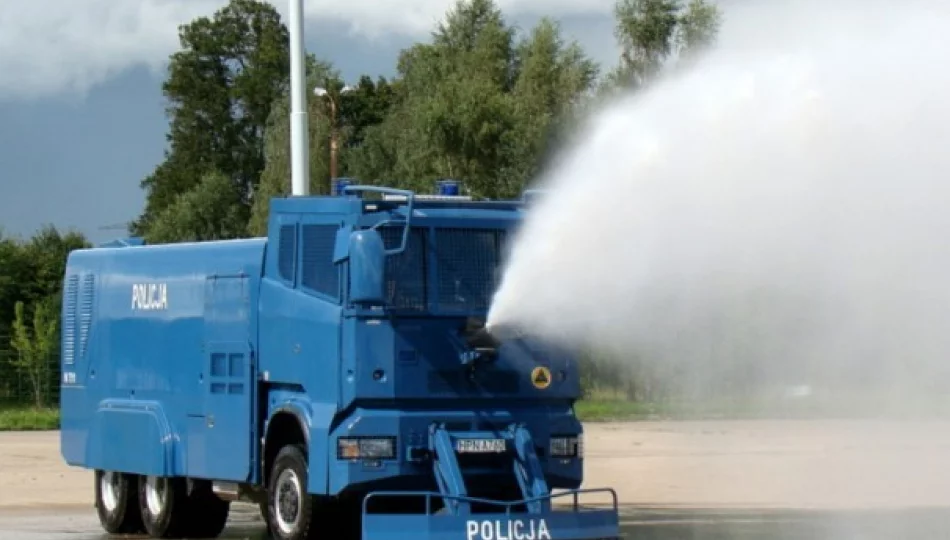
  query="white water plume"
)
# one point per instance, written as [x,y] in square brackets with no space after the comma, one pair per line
[782,208]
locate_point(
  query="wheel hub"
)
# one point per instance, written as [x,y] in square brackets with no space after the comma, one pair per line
[288,501]
[109,488]
[155,489]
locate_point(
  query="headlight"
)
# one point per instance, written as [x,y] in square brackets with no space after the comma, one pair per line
[366,448]
[571,446]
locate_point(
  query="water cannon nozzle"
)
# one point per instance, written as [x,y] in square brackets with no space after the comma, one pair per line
[500,332]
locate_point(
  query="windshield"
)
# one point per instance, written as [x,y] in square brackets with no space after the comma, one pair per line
[463,263]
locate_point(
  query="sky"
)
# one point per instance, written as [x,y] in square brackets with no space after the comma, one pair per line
[82,117]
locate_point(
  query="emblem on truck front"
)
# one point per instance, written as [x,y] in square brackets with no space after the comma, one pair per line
[149,296]
[541,377]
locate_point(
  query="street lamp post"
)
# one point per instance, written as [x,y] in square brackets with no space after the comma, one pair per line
[299,151]
[334,135]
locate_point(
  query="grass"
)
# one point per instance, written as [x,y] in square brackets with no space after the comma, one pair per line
[611,409]
[597,409]
[608,410]
[25,418]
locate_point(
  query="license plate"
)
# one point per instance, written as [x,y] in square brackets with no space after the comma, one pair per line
[480,446]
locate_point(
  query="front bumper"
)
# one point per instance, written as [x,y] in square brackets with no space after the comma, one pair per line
[562,522]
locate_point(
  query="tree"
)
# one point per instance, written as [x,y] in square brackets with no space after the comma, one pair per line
[645,30]
[46,254]
[457,100]
[477,104]
[35,348]
[32,271]
[220,87]
[554,78]
[210,211]
[699,26]
[275,177]
[366,105]
[651,32]
[14,277]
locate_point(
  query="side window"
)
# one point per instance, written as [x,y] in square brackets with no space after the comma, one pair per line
[287,241]
[318,273]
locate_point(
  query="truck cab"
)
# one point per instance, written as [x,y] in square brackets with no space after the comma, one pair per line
[372,314]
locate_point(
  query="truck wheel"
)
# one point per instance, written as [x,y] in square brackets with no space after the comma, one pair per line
[164,506]
[290,509]
[117,503]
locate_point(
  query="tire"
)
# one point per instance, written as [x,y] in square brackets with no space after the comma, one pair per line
[117,503]
[208,512]
[164,506]
[292,513]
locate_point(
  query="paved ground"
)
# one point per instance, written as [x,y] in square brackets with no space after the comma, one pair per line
[637,524]
[825,479]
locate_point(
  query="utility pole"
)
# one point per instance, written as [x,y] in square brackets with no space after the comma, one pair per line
[334,132]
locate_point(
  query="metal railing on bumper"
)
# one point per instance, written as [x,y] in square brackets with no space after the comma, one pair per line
[561,522]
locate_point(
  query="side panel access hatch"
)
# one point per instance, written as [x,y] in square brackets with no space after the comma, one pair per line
[228,386]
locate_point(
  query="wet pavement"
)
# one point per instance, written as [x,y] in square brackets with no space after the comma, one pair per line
[638,524]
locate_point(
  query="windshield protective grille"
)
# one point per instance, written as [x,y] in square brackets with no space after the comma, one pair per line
[467,265]
[406,271]
[463,263]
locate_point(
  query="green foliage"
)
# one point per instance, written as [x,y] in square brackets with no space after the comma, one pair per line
[31,274]
[614,410]
[212,210]
[19,418]
[34,346]
[220,87]
[32,271]
[14,277]
[275,177]
[698,27]
[479,103]
[651,32]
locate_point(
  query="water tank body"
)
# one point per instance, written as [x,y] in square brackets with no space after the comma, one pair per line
[140,332]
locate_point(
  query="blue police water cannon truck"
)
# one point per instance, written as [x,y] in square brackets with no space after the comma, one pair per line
[337,372]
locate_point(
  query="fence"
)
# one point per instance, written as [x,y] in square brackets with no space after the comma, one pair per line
[19,388]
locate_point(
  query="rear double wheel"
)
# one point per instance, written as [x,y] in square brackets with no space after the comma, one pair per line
[180,508]
[117,502]
[163,503]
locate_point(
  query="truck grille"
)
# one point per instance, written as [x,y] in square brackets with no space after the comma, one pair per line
[484,381]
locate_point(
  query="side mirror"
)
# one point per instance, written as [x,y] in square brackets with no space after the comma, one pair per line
[367,254]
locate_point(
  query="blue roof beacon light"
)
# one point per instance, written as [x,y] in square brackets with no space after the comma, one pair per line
[447,188]
[339,185]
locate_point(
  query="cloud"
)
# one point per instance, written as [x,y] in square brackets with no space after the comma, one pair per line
[56,47]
